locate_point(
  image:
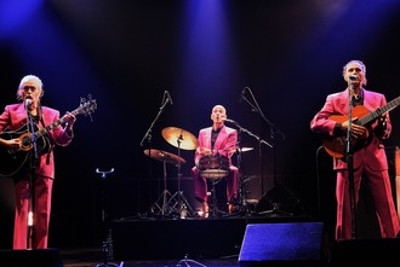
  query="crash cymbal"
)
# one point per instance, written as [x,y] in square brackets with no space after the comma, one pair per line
[180,138]
[164,156]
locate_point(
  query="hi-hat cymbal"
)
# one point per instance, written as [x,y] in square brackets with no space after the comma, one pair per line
[180,138]
[164,156]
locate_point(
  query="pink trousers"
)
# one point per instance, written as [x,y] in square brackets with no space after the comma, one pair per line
[41,217]
[380,188]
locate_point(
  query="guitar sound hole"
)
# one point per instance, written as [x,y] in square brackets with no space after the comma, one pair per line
[26,141]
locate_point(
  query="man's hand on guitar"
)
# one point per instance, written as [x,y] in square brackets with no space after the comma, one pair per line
[12,143]
[382,122]
[70,120]
[357,131]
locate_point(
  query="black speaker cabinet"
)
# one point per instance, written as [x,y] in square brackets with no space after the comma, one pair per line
[282,244]
[366,252]
[31,258]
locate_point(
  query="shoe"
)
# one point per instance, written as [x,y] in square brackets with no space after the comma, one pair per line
[205,211]
[232,208]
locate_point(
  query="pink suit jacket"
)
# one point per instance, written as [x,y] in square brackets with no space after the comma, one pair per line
[224,145]
[373,154]
[14,117]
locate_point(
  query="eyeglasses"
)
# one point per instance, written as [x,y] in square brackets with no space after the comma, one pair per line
[27,88]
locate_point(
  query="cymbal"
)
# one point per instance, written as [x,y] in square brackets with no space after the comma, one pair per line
[173,134]
[161,155]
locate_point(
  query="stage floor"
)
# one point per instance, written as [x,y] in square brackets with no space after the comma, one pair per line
[87,257]
[144,238]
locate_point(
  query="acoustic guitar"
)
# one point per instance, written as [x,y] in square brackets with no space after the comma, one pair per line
[336,146]
[12,161]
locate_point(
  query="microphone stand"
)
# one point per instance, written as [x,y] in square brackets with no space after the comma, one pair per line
[274,132]
[148,135]
[350,166]
[34,160]
[243,194]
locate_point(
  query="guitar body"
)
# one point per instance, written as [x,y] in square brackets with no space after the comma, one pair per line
[336,146]
[15,161]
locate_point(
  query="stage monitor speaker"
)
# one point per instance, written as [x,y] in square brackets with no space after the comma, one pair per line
[366,252]
[31,258]
[282,244]
[281,198]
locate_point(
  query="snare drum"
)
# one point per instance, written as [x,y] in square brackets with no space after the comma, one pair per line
[214,166]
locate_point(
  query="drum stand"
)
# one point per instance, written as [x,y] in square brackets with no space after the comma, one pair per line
[178,202]
[215,211]
[164,208]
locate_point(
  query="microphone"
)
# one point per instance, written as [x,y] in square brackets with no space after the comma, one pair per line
[353,78]
[229,120]
[169,97]
[244,90]
[242,94]
[28,104]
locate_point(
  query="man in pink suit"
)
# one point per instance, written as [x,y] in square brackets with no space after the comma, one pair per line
[216,140]
[15,116]
[369,161]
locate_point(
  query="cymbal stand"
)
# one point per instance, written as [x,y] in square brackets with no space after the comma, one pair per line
[178,201]
[108,243]
[162,209]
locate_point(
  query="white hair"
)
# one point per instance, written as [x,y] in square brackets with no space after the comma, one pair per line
[31,78]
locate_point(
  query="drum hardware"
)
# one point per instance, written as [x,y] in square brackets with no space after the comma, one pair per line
[163,209]
[181,139]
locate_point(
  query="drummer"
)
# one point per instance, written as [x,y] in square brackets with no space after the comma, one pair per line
[214,141]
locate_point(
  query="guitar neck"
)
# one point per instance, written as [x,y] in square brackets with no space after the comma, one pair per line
[53,125]
[379,111]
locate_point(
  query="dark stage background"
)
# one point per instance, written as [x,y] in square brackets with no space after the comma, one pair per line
[127,53]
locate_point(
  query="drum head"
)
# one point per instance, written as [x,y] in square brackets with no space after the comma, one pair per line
[214,173]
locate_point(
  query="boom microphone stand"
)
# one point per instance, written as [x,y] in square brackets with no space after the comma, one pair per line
[165,100]
[243,194]
[274,133]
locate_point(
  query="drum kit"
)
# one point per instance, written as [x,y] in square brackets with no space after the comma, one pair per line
[212,167]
